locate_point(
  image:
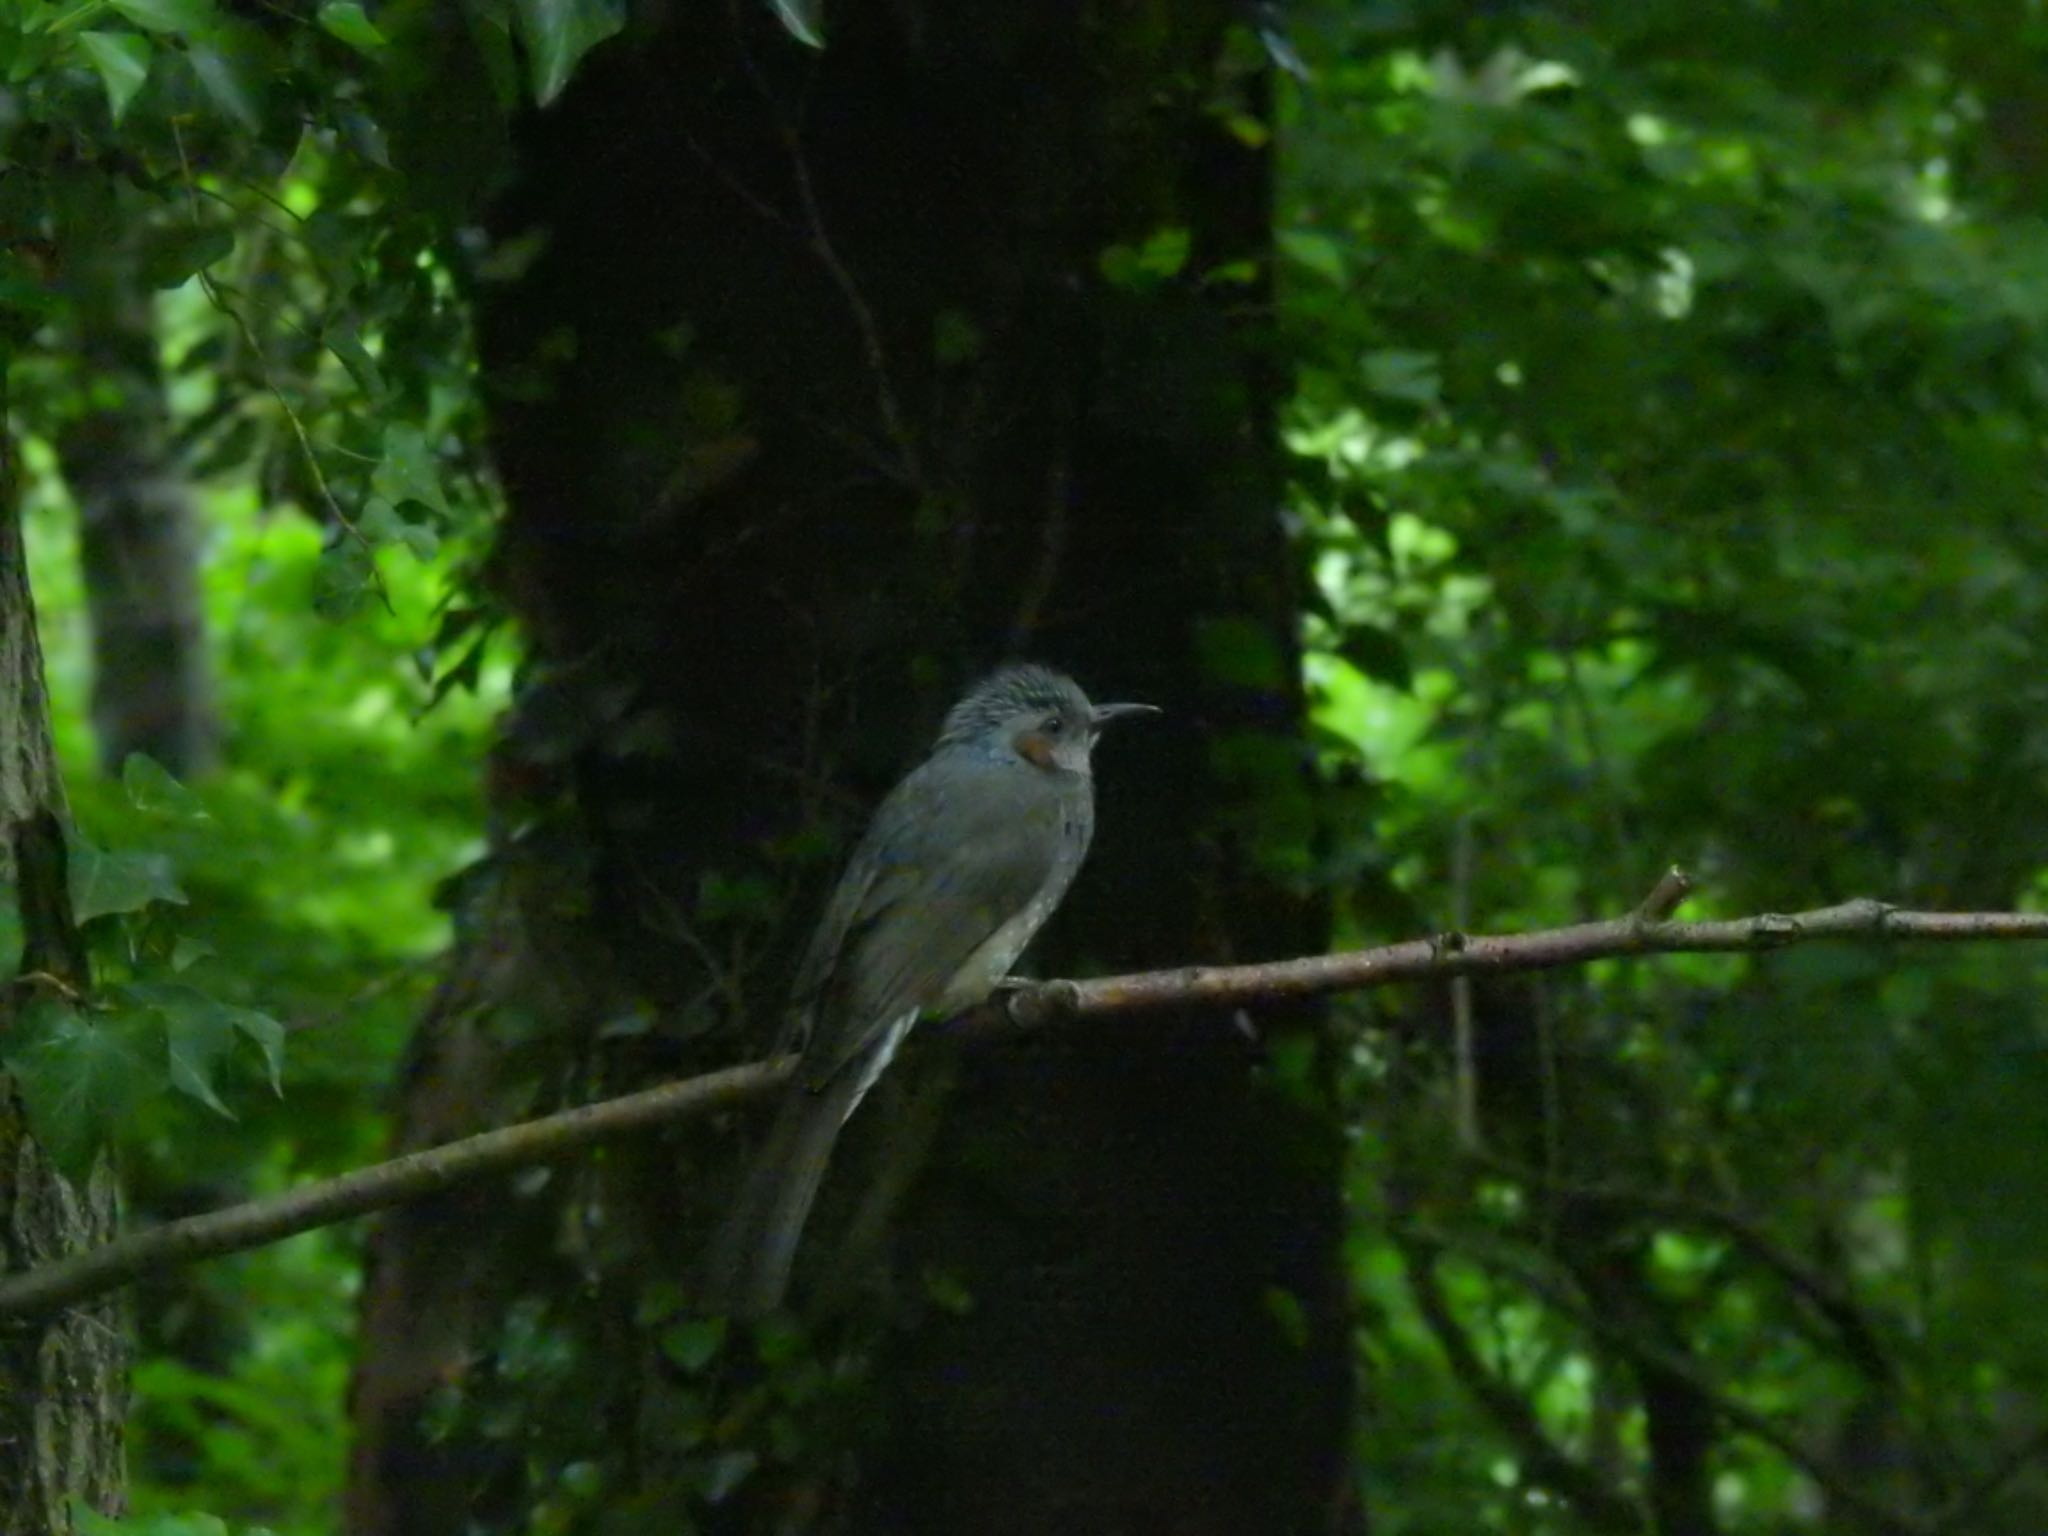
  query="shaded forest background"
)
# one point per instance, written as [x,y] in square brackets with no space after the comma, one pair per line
[506,486]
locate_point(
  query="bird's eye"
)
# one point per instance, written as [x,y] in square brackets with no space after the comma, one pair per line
[1052,725]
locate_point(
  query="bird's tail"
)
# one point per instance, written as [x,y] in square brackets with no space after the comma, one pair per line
[747,1270]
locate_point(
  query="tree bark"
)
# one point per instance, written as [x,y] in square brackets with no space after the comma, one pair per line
[63,1378]
[821,382]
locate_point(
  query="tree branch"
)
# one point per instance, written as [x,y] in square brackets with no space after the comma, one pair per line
[1032,1006]
[414,1176]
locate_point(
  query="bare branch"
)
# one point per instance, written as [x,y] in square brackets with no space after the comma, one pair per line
[1029,1007]
[412,1177]
[1457,954]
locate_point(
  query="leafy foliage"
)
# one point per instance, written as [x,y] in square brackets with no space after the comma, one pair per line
[1663,459]
[1666,448]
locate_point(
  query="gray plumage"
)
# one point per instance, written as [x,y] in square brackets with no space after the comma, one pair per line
[962,864]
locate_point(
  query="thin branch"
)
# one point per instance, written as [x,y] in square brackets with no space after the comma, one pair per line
[1028,1007]
[412,1177]
[1857,1334]
[1544,1462]
[1457,954]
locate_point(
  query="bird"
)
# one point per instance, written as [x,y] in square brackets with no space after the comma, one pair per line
[960,866]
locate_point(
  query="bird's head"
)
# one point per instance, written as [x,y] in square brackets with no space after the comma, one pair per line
[1040,715]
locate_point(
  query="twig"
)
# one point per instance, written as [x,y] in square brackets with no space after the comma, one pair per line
[1737,1414]
[1029,1007]
[212,291]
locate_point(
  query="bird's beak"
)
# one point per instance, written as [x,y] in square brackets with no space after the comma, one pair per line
[1104,713]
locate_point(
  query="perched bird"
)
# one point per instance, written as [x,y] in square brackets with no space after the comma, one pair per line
[960,867]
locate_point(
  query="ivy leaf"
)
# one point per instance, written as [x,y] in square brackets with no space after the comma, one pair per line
[80,1076]
[382,524]
[409,471]
[153,791]
[342,578]
[346,20]
[103,883]
[122,62]
[195,1042]
[557,33]
[181,17]
[201,1030]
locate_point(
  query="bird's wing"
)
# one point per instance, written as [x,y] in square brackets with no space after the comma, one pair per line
[958,849]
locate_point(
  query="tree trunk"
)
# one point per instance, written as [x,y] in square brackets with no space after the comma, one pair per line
[62,1380]
[138,536]
[821,383]
[152,689]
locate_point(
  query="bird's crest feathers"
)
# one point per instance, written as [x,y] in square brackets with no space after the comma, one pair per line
[1004,695]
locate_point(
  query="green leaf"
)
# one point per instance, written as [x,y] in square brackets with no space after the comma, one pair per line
[202,1029]
[153,791]
[556,34]
[182,17]
[196,1040]
[366,137]
[122,61]
[229,81]
[410,471]
[801,19]
[80,1076]
[1313,250]
[348,347]
[173,253]
[346,20]
[104,883]
[1406,376]
[189,951]
[1160,258]
[693,1342]
[1379,654]
[382,523]
[342,579]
